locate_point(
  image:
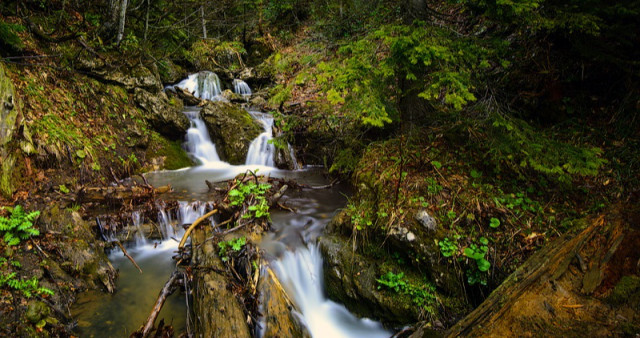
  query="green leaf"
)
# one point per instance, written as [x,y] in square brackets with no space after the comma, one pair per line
[494,222]
[483,264]
[436,164]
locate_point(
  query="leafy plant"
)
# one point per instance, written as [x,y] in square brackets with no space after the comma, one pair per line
[477,252]
[494,222]
[233,245]
[19,226]
[63,189]
[239,195]
[423,296]
[447,247]
[27,287]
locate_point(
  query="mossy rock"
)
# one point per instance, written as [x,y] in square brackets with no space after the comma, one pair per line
[166,154]
[164,114]
[350,278]
[231,129]
[82,255]
[626,292]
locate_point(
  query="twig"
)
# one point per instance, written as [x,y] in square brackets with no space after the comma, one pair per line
[192,226]
[128,256]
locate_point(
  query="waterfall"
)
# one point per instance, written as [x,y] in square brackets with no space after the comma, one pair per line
[165,222]
[198,141]
[294,160]
[242,88]
[136,217]
[300,273]
[204,85]
[261,152]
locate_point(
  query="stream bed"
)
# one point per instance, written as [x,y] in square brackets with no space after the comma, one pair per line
[290,245]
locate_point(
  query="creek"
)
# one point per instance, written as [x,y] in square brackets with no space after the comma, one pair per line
[290,246]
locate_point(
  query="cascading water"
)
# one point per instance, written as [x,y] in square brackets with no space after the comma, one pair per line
[136,217]
[300,273]
[299,270]
[199,143]
[261,151]
[204,85]
[242,88]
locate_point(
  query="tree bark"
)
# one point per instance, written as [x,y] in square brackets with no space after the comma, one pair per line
[204,25]
[121,20]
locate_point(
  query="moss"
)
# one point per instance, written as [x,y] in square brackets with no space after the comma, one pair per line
[627,291]
[174,156]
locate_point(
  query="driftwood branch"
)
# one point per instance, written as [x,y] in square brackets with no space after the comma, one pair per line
[128,256]
[195,224]
[166,291]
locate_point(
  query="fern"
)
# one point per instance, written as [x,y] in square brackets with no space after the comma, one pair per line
[19,226]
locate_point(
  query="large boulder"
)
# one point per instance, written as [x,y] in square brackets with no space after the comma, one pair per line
[163,114]
[137,76]
[82,255]
[350,278]
[231,128]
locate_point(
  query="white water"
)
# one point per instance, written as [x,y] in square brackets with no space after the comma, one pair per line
[204,85]
[199,143]
[242,88]
[300,273]
[261,152]
[136,217]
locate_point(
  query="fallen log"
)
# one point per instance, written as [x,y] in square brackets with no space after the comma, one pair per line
[550,295]
[118,193]
[218,312]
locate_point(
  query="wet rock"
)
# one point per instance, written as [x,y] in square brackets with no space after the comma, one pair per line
[163,114]
[426,220]
[185,96]
[233,97]
[284,159]
[231,129]
[351,279]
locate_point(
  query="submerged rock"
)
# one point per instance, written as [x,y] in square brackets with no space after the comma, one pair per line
[163,114]
[231,129]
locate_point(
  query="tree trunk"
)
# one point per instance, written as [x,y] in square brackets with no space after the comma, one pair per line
[204,26]
[121,20]
[146,20]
